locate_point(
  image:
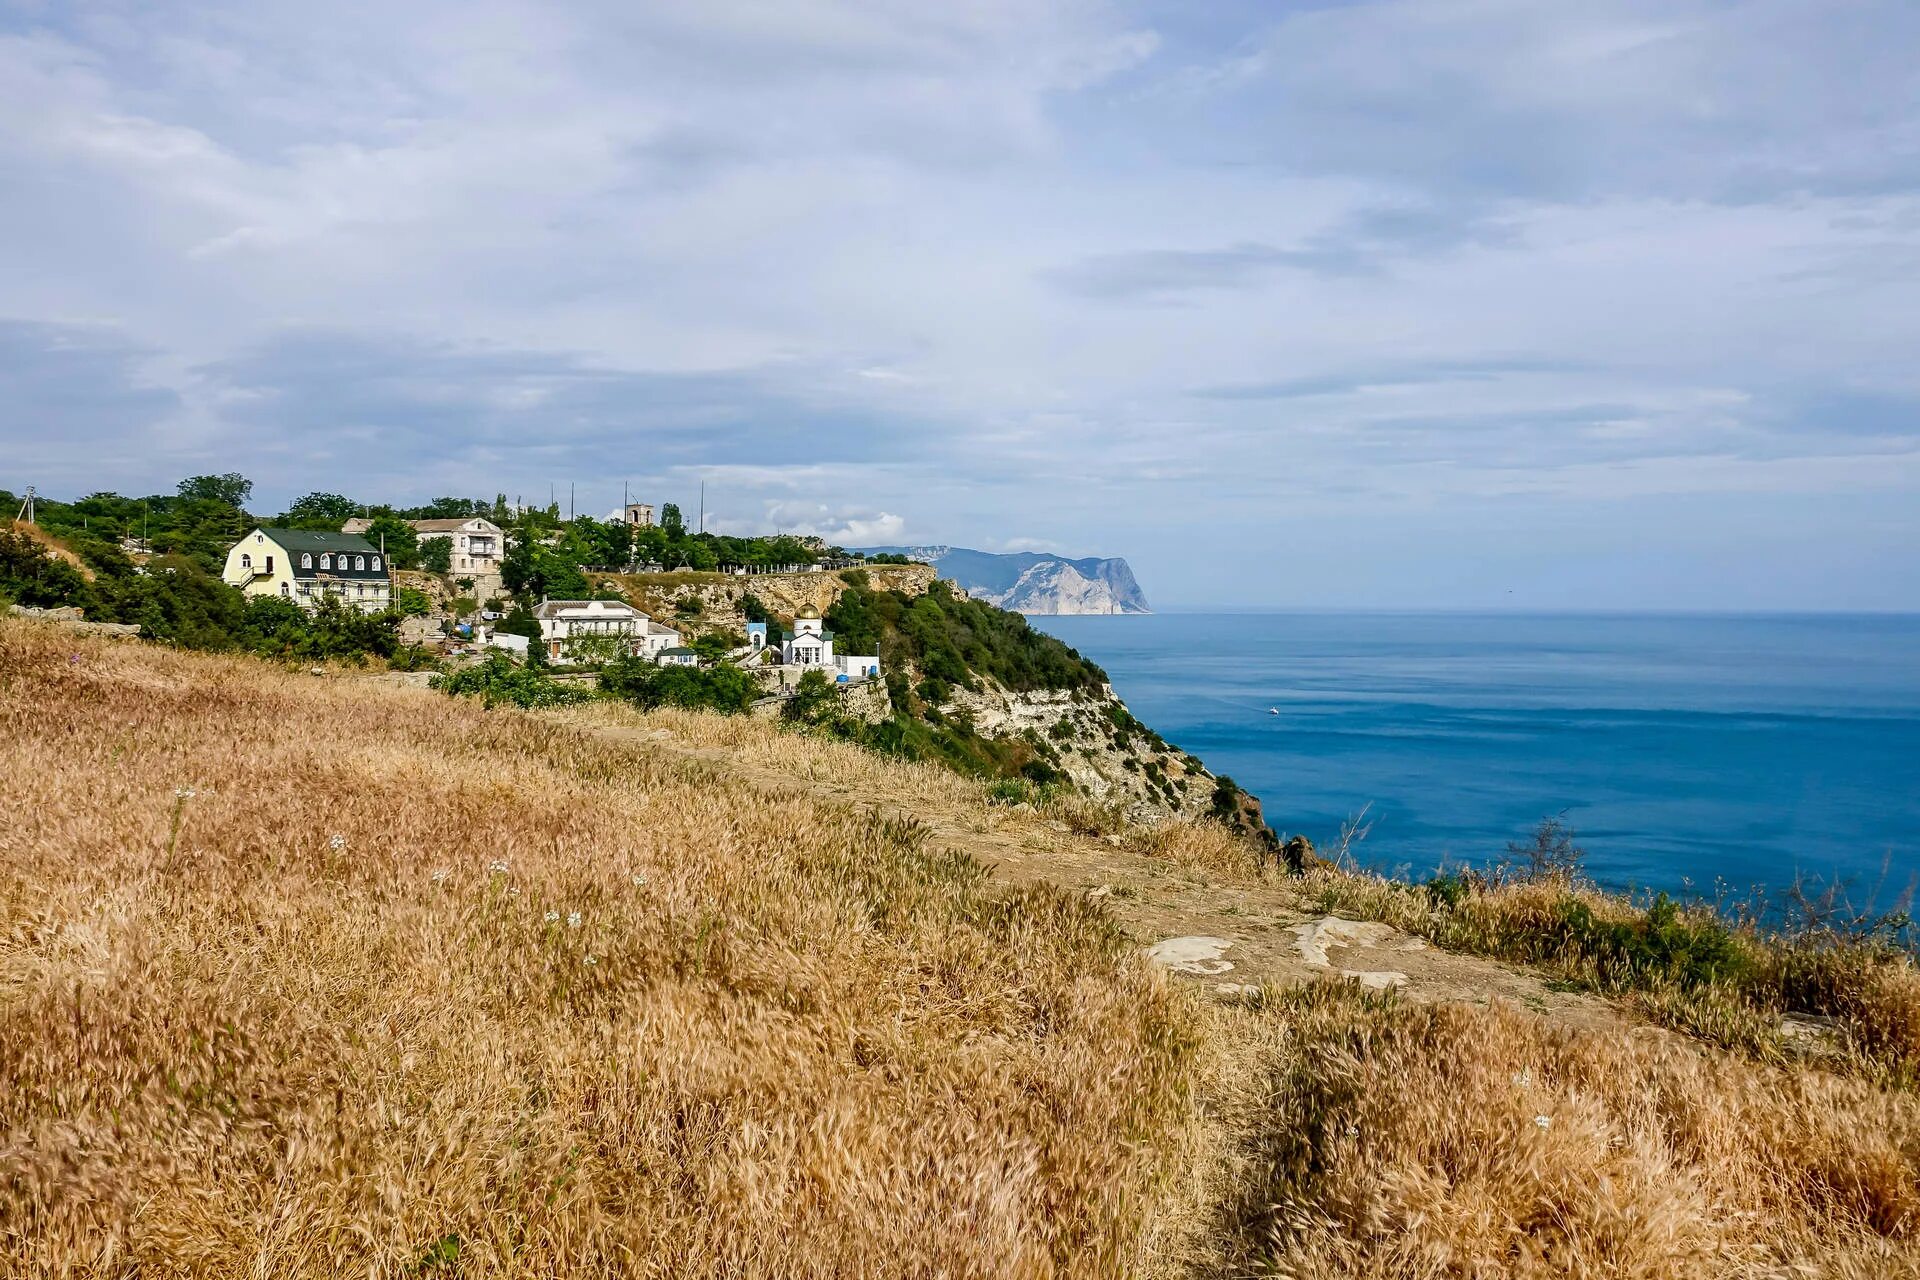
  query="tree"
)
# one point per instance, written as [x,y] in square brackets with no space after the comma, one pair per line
[813,697]
[32,577]
[672,523]
[232,488]
[320,511]
[436,554]
[399,539]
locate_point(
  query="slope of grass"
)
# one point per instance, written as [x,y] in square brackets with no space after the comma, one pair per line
[312,977]
[402,982]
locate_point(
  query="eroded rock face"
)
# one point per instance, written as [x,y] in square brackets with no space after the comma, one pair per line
[1093,740]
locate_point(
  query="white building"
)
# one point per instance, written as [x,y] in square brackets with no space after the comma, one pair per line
[563,622]
[478,544]
[811,644]
[851,668]
[678,656]
[305,566]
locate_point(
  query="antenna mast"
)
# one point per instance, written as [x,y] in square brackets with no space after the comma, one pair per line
[26,508]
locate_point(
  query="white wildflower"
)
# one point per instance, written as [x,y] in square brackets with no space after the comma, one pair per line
[573,919]
[1353,1131]
[337,843]
[553,917]
[639,880]
[1543,1122]
[183,793]
[591,960]
[513,891]
[440,876]
[1523,1078]
[498,866]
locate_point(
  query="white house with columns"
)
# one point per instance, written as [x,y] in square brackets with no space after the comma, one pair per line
[564,623]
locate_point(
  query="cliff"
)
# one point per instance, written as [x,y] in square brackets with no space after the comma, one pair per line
[712,600]
[977,688]
[1031,582]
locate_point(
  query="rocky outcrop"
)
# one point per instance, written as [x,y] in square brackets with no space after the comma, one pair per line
[1031,582]
[666,595]
[1097,745]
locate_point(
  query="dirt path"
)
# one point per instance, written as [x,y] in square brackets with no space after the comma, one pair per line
[1207,931]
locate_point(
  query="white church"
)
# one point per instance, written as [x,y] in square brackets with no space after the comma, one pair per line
[812,646]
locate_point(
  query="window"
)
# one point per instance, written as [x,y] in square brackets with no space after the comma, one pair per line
[376,562]
[326,562]
[306,559]
[359,562]
[246,561]
[285,590]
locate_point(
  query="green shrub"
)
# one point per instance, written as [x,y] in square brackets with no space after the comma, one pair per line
[498,679]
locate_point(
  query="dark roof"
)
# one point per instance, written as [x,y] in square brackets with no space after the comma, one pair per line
[678,651]
[319,542]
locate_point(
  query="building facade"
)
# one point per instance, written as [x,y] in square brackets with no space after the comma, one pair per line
[640,514]
[305,566]
[575,629]
[477,543]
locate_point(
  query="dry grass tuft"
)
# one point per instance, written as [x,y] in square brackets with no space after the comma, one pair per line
[1449,1141]
[404,983]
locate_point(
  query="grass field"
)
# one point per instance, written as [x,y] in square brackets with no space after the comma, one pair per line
[316,977]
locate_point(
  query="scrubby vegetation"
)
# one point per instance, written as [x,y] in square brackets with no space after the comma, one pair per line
[176,601]
[1730,975]
[955,639]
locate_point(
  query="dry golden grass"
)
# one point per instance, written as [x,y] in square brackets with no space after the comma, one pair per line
[313,1033]
[1729,983]
[1398,1141]
[783,1038]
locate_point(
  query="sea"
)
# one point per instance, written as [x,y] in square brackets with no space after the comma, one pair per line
[1692,754]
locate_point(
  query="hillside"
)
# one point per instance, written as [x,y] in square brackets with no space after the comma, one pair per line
[1030,582]
[600,993]
[979,688]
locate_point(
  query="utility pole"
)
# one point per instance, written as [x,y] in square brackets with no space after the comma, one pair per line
[703,506]
[26,508]
[569,502]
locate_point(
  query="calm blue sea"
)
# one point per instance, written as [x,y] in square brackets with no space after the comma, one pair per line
[1684,749]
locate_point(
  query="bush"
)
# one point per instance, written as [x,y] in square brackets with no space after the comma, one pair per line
[723,688]
[499,680]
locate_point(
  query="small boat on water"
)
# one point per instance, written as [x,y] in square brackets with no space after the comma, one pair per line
[1273,711]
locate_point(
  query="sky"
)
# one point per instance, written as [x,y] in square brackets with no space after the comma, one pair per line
[1405,304]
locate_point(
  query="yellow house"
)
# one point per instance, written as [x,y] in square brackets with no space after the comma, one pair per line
[304,565]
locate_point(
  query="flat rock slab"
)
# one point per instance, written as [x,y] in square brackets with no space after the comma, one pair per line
[1317,937]
[1197,954]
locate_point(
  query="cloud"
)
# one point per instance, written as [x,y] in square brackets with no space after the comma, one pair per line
[1114,276]
[1401,375]
[842,527]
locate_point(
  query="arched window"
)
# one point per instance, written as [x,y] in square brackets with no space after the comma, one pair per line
[246,561]
[376,563]
[326,562]
[306,559]
[285,590]
[359,562]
